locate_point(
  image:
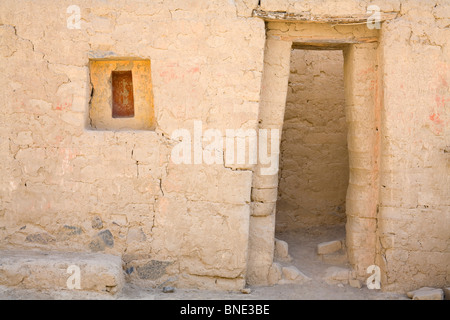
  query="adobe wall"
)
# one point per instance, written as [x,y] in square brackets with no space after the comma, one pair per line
[414,213]
[412,216]
[67,187]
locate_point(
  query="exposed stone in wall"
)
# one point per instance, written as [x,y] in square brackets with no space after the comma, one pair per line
[314,156]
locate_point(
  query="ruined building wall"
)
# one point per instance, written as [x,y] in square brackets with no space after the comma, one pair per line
[413,211]
[66,186]
[313,154]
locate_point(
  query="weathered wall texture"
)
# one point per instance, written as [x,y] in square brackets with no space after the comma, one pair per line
[410,179]
[66,187]
[313,154]
[414,214]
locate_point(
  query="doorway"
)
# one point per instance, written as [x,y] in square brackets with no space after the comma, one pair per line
[313,174]
[314,169]
[362,93]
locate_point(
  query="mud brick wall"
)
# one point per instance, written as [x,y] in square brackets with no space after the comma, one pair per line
[69,187]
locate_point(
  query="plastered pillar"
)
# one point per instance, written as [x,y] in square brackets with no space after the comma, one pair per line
[362,114]
[264,188]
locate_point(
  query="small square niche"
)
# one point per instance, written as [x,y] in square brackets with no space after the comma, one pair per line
[122,97]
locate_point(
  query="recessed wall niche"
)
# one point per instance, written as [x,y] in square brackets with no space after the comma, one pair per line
[122,97]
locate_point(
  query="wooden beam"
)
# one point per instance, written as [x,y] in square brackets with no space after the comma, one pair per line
[318,46]
[307,17]
[314,41]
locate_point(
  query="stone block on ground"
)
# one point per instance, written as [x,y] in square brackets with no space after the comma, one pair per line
[355,283]
[336,258]
[426,293]
[447,293]
[246,290]
[45,270]
[329,247]
[410,294]
[292,275]
[334,275]
[168,289]
[275,273]
[282,250]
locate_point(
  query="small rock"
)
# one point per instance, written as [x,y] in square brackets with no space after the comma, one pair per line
[41,238]
[411,294]
[429,294]
[447,293]
[292,275]
[107,238]
[329,247]
[340,285]
[274,273]
[102,239]
[337,275]
[281,250]
[97,223]
[129,270]
[152,270]
[246,291]
[355,283]
[168,289]
[97,245]
[72,230]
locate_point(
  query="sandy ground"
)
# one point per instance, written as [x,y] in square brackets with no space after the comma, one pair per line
[302,248]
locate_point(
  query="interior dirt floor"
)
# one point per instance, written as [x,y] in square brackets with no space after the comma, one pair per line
[302,249]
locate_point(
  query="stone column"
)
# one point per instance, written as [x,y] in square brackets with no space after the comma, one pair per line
[362,114]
